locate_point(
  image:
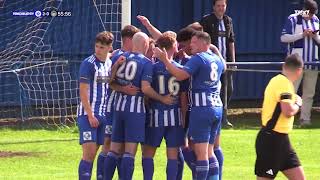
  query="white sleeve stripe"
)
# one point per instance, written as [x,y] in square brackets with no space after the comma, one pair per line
[151,117]
[124,102]
[133,98]
[156,122]
[110,100]
[180,116]
[172,118]
[165,118]
[139,104]
[196,96]
[95,88]
[204,99]
[119,102]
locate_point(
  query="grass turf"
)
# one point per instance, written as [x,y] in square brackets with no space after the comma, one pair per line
[55,154]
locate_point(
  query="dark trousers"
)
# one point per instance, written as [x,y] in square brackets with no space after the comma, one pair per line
[226,91]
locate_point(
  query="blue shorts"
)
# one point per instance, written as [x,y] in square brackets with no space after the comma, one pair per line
[187,118]
[108,128]
[128,127]
[219,128]
[90,134]
[174,136]
[204,124]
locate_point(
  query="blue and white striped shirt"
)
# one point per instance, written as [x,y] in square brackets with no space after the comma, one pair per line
[111,93]
[95,73]
[205,69]
[134,70]
[167,117]
[296,24]
[164,83]
[124,102]
[222,39]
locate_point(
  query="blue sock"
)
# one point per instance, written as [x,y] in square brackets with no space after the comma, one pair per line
[219,155]
[110,164]
[213,169]
[84,171]
[100,165]
[119,167]
[202,169]
[190,159]
[172,168]
[148,168]
[180,165]
[127,166]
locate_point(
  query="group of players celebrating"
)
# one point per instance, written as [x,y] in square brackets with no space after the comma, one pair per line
[168,86]
[163,86]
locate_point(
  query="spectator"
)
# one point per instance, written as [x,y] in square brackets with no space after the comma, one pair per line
[219,26]
[301,34]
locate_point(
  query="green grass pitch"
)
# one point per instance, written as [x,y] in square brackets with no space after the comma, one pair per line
[54,154]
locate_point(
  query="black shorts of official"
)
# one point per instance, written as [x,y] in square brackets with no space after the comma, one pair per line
[274,154]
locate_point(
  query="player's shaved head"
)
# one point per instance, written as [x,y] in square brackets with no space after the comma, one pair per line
[140,42]
[140,37]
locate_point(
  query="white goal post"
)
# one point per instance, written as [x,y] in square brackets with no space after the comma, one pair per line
[126,13]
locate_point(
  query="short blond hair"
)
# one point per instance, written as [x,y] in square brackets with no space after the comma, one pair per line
[166,41]
[170,33]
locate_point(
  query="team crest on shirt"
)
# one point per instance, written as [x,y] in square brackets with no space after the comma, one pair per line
[108,129]
[87,136]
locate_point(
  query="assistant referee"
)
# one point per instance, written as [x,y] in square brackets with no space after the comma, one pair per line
[281,103]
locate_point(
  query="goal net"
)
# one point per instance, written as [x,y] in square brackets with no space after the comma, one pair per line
[42,45]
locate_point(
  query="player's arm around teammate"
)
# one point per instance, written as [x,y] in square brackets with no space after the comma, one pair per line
[145,86]
[205,69]
[126,37]
[165,120]
[129,121]
[128,89]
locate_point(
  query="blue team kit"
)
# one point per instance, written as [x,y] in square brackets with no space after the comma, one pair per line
[123,117]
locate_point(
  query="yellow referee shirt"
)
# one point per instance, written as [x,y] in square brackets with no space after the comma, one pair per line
[280,88]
